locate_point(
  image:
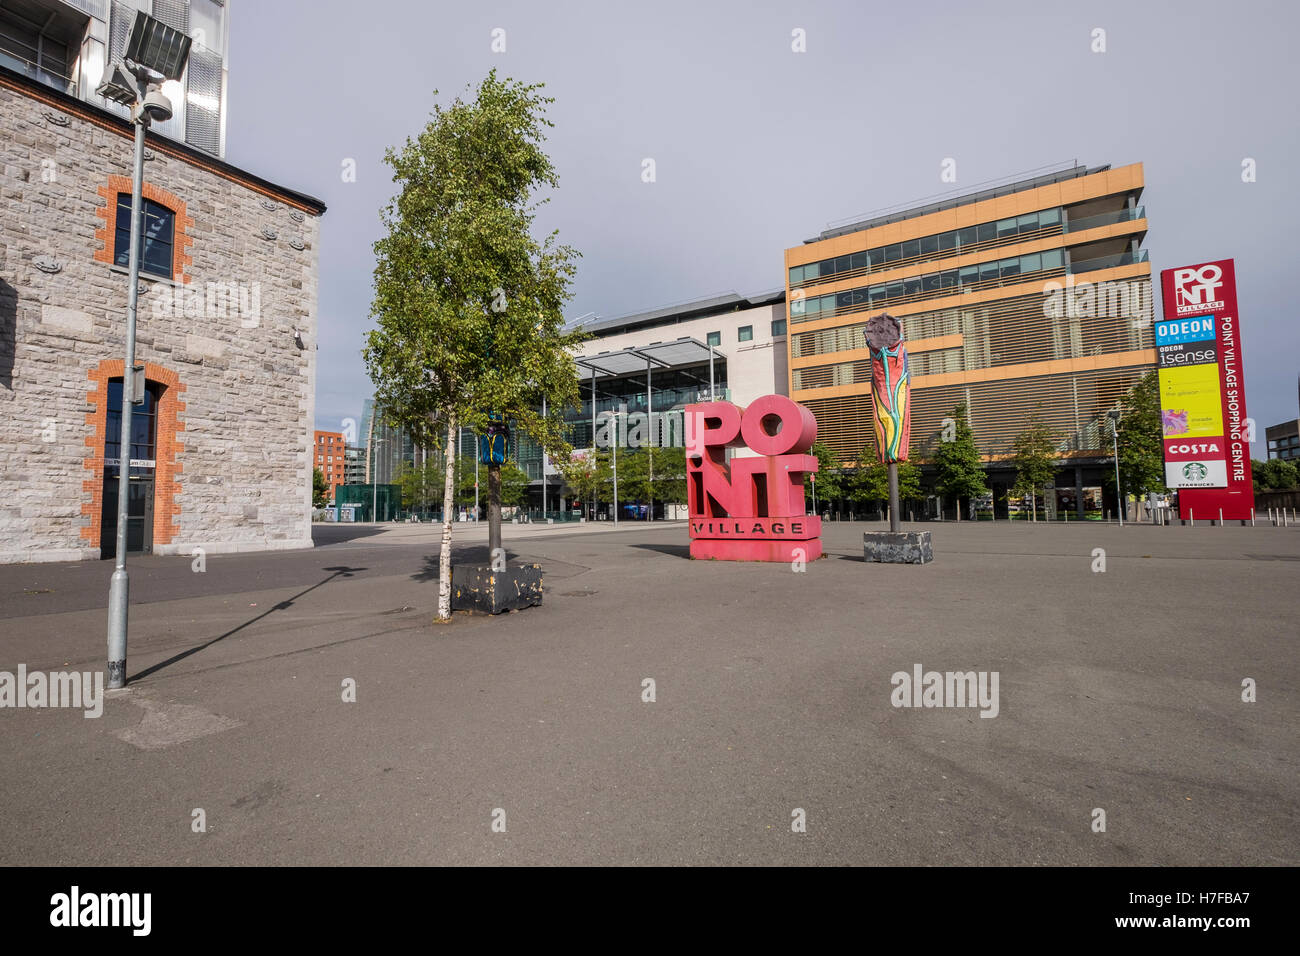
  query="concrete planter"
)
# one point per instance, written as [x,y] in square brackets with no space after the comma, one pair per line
[897,547]
[491,592]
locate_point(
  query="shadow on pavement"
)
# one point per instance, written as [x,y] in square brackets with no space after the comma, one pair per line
[676,550]
[322,534]
[475,555]
[339,572]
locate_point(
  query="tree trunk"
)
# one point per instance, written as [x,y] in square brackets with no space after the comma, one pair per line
[448,503]
[494,512]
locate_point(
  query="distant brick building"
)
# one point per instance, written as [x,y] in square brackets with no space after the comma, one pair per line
[220,455]
[331,457]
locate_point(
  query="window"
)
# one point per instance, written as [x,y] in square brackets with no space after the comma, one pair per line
[714,339]
[156,239]
[778,327]
[745,334]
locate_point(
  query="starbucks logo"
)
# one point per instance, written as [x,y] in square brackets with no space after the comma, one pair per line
[1195,471]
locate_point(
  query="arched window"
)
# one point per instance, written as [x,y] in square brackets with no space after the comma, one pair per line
[157,239]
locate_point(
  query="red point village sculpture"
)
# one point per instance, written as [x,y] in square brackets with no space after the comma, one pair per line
[751,509]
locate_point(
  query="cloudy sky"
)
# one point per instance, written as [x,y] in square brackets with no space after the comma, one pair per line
[758,147]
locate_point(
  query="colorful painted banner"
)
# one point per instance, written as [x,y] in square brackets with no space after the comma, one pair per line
[1202,393]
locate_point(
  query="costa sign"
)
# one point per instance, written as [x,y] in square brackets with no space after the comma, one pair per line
[751,508]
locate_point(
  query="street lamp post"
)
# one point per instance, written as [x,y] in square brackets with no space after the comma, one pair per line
[374,487]
[1113,414]
[155,54]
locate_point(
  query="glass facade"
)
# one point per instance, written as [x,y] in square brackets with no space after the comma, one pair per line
[1031,345]
[939,246]
[986,275]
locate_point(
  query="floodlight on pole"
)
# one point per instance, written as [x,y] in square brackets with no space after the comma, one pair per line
[155,53]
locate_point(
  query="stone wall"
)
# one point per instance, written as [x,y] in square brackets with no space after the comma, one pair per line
[236,454]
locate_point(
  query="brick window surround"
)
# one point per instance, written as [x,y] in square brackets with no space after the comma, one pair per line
[167,450]
[181,240]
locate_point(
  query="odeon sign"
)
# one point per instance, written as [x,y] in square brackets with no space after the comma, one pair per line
[752,508]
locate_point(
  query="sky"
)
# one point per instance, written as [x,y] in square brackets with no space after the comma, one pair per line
[758,147]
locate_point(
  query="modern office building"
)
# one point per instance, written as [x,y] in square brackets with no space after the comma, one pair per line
[71,45]
[664,359]
[1284,440]
[354,465]
[1029,296]
[220,456]
[388,449]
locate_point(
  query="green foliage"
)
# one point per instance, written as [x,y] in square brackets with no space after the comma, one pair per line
[1141,440]
[319,488]
[1034,458]
[829,480]
[421,486]
[635,467]
[871,481]
[468,303]
[1276,474]
[579,474]
[960,474]
[514,485]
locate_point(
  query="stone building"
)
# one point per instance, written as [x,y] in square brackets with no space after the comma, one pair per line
[221,455]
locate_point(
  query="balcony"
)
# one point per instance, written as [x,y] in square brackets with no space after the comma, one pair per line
[1106,219]
[19,64]
[1109,262]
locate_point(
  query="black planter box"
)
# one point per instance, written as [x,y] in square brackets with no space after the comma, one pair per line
[491,592]
[897,547]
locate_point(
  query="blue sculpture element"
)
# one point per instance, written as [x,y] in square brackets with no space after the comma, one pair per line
[494,447]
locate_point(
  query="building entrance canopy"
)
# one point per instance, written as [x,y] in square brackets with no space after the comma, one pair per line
[683,351]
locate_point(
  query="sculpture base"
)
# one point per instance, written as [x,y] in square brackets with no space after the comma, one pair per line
[492,592]
[752,549]
[897,547]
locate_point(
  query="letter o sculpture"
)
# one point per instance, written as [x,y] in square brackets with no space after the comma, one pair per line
[798,426]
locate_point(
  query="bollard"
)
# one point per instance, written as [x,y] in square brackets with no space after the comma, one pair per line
[1252,517]
[1191,517]
[1220,517]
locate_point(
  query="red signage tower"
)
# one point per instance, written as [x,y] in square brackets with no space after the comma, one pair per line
[1209,467]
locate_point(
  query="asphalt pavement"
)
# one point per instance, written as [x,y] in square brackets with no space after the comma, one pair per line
[1119,690]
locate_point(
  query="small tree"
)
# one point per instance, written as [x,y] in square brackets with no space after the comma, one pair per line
[669,474]
[871,480]
[1141,441]
[960,474]
[319,488]
[829,486]
[469,304]
[419,484]
[579,474]
[1034,458]
[514,485]
[1276,474]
